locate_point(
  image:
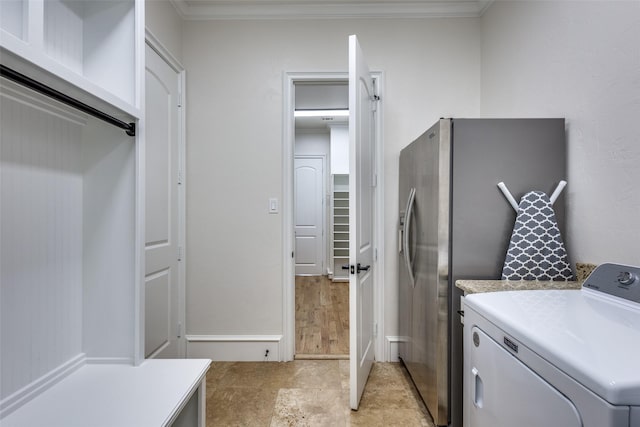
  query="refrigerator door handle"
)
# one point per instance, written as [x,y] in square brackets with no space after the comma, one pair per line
[406,234]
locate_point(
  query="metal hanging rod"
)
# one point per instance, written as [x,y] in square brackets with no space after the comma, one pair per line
[8,73]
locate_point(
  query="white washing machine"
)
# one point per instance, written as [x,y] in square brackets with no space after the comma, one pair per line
[559,358]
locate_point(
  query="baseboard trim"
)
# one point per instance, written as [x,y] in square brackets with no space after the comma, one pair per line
[391,348]
[40,385]
[321,357]
[109,361]
[235,348]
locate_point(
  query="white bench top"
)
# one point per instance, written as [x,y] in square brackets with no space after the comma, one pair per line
[149,395]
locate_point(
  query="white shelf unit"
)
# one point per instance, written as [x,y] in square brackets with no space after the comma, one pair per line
[72,225]
[162,392]
[340,226]
[89,49]
[68,243]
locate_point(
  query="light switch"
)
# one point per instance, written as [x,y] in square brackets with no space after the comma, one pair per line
[273,205]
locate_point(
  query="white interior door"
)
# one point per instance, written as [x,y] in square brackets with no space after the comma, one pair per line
[361,220]
[309,214]
[162,292]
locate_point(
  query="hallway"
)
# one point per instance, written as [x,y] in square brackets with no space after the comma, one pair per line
[322,318]
[309,393]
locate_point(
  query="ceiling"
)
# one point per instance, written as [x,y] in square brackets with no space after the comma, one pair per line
[326,96]
[327,9]
[320,123]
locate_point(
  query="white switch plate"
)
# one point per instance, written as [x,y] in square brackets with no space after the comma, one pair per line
[273,205]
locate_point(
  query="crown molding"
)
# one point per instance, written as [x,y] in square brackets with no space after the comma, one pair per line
[347,9]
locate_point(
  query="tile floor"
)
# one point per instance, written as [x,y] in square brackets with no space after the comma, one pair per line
[309,393]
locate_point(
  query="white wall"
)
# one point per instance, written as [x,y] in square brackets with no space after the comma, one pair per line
[311,141]
[166,24]
[340,149]
[235,70]
[579,60]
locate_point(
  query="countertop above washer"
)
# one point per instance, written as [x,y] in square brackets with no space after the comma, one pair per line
[481,286]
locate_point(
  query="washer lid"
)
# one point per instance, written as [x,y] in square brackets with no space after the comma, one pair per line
[592,337]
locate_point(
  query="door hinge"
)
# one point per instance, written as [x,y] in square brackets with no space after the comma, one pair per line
[179,253]
[375,254]
[179,329]
[374,180]
[179,177]
[292,254]
[179,99]
[375,330]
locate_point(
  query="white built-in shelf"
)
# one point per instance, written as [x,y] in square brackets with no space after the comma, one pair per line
[71,185]
[340,225]
[85,49]
[154,394]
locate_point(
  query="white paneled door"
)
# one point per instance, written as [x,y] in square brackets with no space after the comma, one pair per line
[162,288]
[309,214]
[362,103]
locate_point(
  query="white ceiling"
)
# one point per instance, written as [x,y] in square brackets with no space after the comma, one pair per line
[323,122]
[321,96]
[328,9]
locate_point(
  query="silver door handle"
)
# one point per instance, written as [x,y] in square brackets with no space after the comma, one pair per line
[405,232]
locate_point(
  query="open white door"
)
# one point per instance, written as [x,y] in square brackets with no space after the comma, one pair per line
[362,101]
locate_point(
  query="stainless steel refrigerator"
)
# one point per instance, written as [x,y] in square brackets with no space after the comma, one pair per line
[456,224]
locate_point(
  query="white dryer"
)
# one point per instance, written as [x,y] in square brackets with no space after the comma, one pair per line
[559,358]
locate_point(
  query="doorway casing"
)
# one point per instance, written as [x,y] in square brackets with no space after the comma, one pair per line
[287,347]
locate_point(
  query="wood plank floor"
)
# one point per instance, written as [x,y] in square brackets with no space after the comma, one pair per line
[322,318]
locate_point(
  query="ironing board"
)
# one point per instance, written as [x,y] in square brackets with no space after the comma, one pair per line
[536,250]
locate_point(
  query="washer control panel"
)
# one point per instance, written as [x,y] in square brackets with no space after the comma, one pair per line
[616,279]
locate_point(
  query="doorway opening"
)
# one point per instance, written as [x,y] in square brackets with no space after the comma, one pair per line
[321,219]
[292,83]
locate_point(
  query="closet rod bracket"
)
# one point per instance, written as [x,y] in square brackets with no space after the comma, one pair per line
[132,129]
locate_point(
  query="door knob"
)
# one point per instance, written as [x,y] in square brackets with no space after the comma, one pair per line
[363,268]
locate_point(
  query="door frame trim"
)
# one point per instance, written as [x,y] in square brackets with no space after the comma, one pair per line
[323,157]
[288,262]
[154,43]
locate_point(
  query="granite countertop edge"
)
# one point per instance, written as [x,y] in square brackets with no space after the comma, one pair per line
[479,286]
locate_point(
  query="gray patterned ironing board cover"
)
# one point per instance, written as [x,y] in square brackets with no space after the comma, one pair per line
[536,250]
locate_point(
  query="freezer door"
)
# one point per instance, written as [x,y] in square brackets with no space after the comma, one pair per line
[424,306]
[406,247]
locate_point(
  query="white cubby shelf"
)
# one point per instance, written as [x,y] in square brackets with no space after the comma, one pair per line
[88,49]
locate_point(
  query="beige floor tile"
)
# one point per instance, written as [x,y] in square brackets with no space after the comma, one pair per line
[309,407]
[387,376]
[389,418]
[324,374]
[344,366]
[388,399]
[310,393]
[241,406]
